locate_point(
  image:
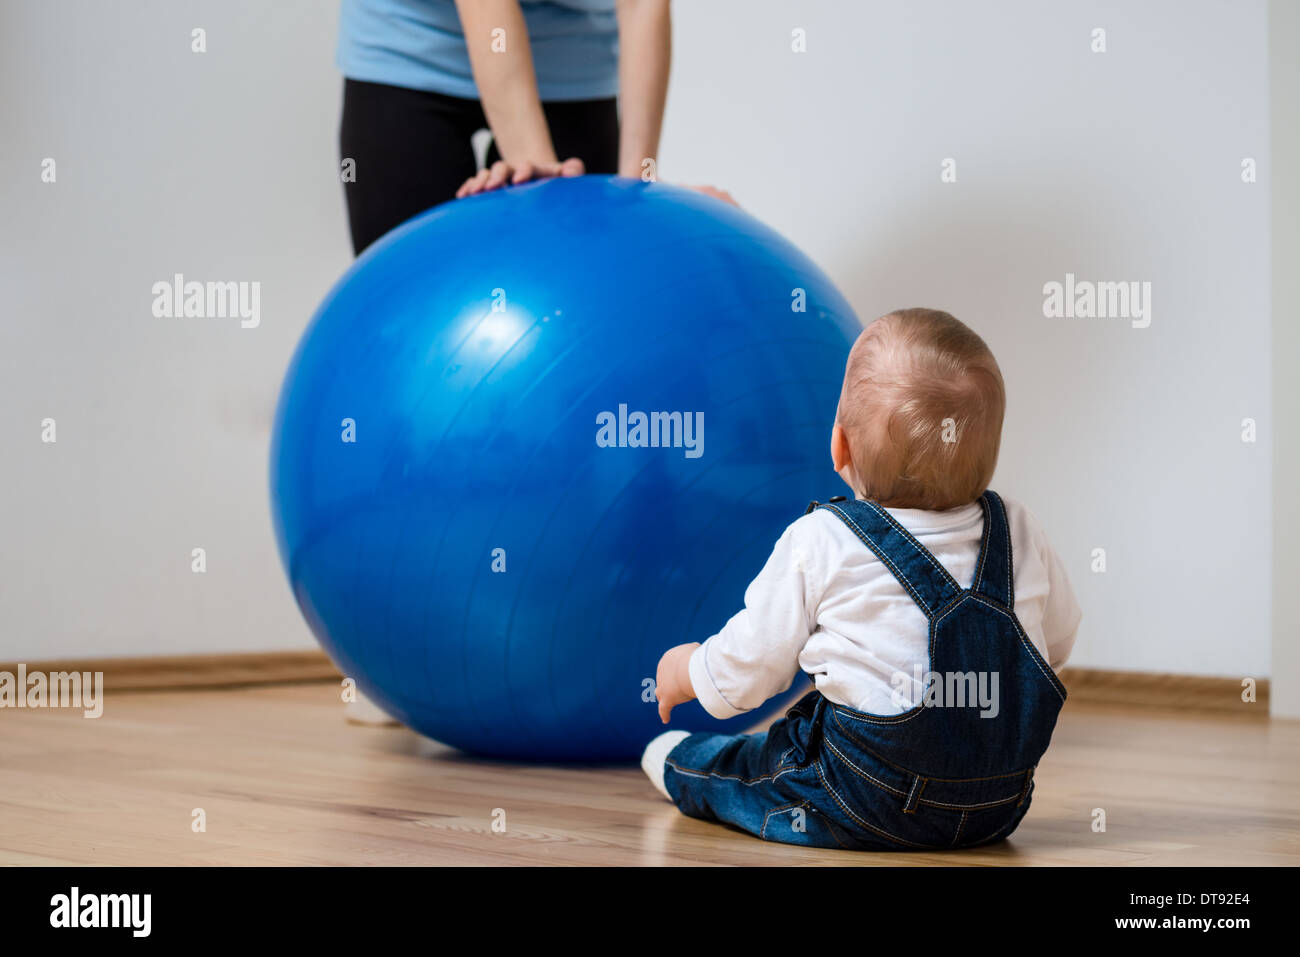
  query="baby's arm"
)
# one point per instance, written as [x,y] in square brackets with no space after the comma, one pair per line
[1062,614]
[756,654]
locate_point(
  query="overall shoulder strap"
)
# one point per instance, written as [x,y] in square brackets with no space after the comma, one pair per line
[993,569]
[919,572]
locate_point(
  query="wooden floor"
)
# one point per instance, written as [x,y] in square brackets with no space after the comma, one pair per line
[283,779]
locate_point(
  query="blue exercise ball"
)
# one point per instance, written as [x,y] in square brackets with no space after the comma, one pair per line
[534,438]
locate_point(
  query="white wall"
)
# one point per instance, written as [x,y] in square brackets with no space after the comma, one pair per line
[1122,165]
[220,165]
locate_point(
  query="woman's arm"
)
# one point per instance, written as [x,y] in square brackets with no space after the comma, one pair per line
[507,85]
[645,53]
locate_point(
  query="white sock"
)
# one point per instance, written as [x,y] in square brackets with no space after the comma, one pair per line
[656,753]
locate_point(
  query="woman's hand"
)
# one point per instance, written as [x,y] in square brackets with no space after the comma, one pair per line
[673,679]
[716,193]
[500,173]
[507,88]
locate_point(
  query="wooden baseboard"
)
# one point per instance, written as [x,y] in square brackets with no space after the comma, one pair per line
[161,673]
[1167,692]
[1128,689]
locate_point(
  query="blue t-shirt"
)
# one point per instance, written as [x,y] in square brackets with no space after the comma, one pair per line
[418,44]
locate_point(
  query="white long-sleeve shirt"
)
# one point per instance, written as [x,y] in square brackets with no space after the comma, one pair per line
[824,604]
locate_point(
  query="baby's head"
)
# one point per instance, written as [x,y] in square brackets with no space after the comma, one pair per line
[920,416]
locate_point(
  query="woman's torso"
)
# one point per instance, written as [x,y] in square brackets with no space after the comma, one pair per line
[419,44]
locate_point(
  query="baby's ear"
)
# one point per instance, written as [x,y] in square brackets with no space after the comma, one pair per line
[842,457]
[840,454]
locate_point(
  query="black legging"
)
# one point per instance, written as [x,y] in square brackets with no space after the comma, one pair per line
[412,149]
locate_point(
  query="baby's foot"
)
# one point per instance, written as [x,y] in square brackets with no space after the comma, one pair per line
[656,752]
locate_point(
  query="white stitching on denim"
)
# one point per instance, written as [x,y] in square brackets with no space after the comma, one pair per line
[916,545]
[1006,526]
[915,782]
[929,777]
[884,558]
[812,811]
[960,824]
[1024,638]
[973,807]
[886,720]
[984,543]
[911,713]
[870,827]
[1037,659]
[762,831]
[985,501]
[857,770]
[747,782]
[927,801]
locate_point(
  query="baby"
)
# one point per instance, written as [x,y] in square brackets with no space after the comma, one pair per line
[930,612]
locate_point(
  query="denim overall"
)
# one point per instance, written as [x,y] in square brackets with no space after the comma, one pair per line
[953,771]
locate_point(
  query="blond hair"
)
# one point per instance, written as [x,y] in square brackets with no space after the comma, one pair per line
[922,409]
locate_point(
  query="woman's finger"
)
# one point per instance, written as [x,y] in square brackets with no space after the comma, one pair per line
[498,175]
[501,172]
[477,183]
[523,173]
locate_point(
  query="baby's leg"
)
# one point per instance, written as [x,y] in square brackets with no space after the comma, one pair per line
[763,783]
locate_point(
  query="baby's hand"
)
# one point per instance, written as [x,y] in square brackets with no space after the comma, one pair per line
[673,679]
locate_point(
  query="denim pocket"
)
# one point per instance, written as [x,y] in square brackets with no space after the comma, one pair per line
[800,823]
